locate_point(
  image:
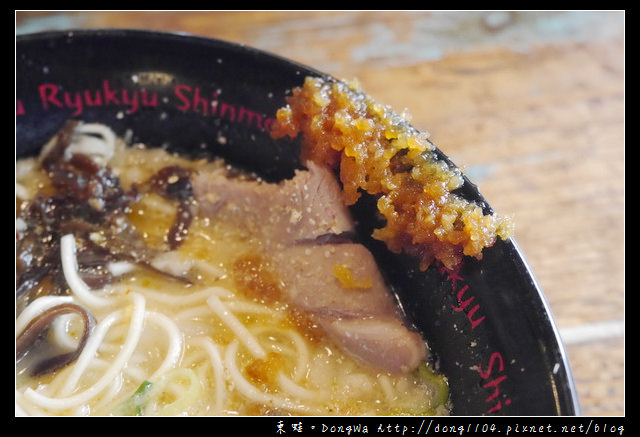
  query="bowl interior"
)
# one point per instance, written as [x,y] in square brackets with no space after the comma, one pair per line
[488,324]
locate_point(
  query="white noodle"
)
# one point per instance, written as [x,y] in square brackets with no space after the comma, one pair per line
[172,356]
[24,407]
[36,307]
[25,168]
[131,342]
[198,312]
[299,351]
[253,308]
[113,338]
[118,268]
[20,412]
[243,334]
[75,282]
[136,373]
[22,192]
[254,394]
[95,140]
[178,299]
[387,387]
[174,348]
[185,397]
[159,204]
[88,354]
[295,389]
[208,268]
[217,365]
[82,410]
[189,346]
[21,225]
[111,392]
[172,262]
[61,333]
[193,313]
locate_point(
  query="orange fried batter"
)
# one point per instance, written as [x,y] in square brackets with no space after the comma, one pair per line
[376,151]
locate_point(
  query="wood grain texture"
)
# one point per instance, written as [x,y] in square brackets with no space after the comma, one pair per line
[530,103]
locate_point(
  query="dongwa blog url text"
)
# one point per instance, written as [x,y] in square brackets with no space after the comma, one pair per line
[434,427]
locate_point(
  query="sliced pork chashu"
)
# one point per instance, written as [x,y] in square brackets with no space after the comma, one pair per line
[337,285]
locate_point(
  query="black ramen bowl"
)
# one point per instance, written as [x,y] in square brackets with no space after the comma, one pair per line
[488,324]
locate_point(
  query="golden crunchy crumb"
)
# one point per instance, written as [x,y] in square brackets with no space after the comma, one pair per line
[376,151]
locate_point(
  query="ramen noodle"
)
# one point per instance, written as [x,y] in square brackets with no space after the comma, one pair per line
[151,284]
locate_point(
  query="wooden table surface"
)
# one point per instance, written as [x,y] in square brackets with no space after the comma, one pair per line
[531,103]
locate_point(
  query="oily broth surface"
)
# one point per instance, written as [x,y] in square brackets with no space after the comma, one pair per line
[200,341]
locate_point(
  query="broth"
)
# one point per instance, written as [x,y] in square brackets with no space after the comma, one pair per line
[199,327]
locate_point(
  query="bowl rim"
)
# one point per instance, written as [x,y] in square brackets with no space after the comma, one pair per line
[571,405]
